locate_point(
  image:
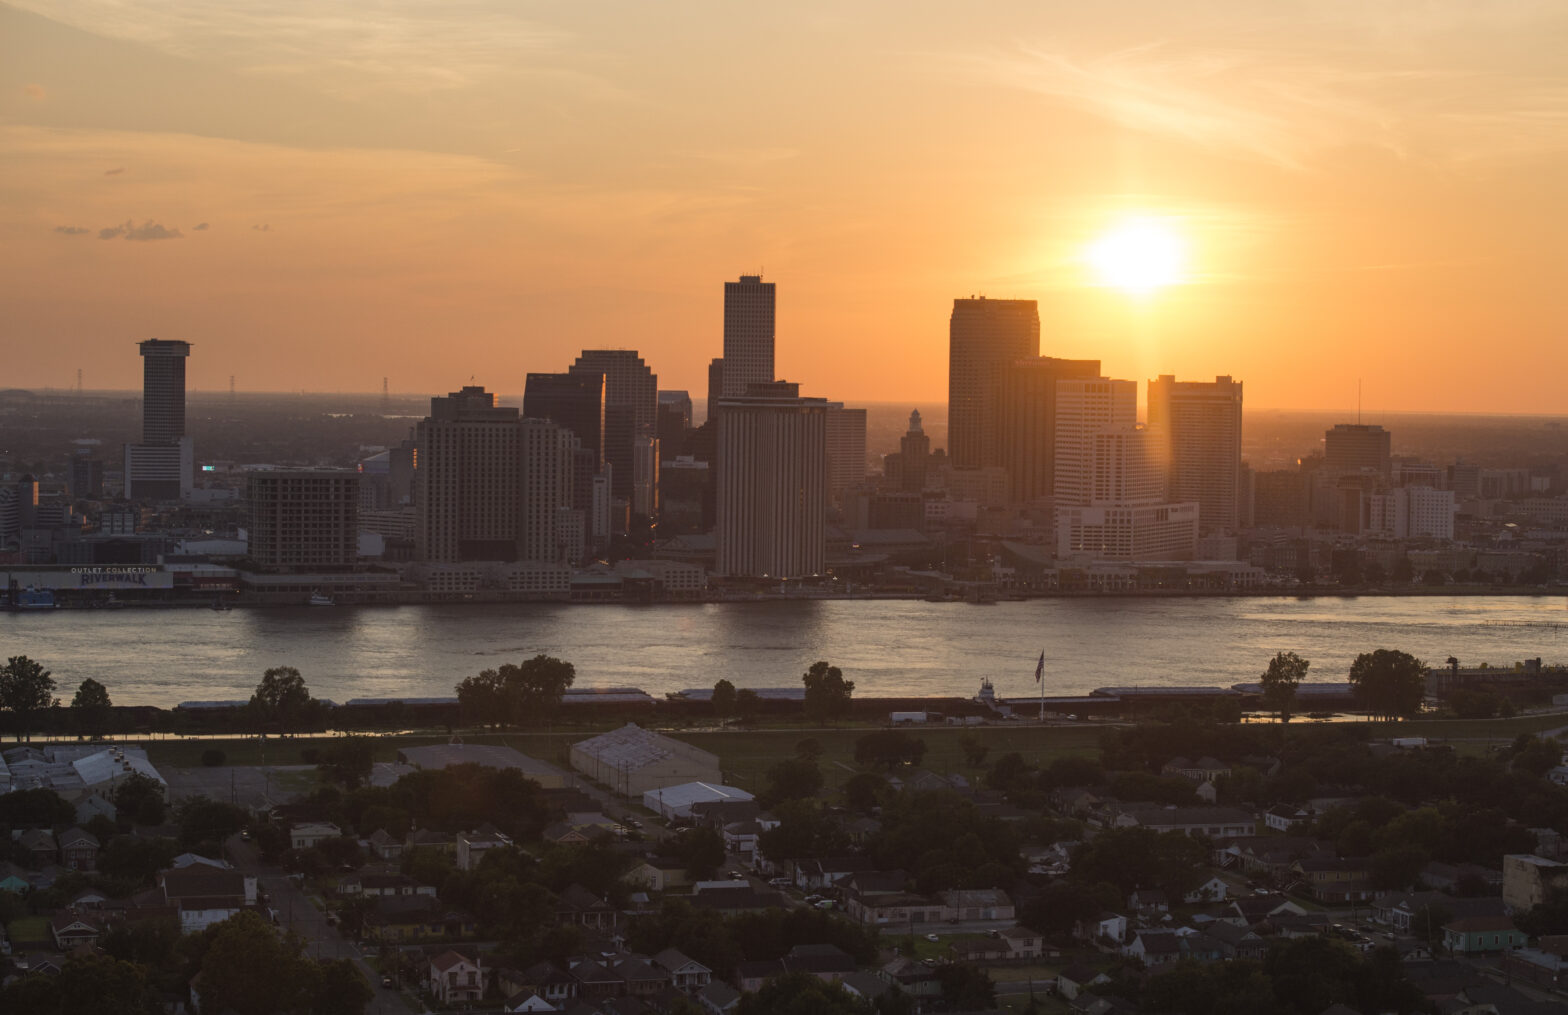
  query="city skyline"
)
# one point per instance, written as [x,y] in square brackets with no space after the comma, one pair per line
[1301,196]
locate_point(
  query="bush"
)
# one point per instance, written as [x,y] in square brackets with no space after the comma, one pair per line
[213,758]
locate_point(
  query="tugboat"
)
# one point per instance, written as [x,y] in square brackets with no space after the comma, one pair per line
[33,599]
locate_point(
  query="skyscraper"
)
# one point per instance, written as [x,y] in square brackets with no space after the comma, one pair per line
[914,456]
[1084,407]
[984,337]
[1027,422]
[162,466]
[748,334]
[1353,447]
[631,408]
[303,519]
[575,400]
[772,483]
[490,485]
[1198,428]
[846,448]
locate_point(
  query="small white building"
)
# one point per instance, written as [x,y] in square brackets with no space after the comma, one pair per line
[312,834]
[675,802]
[455,978]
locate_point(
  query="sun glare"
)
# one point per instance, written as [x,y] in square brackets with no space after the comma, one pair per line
[1139,256]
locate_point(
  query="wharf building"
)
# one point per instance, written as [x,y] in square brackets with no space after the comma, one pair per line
[492,486]
[770,516]
[1198,427]
[984,337]
[162,466]
[303,519]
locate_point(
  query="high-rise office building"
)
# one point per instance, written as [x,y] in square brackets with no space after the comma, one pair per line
[1355,447]
[1085,407]
[748,334]
[490,485]
[846,437]
[631,408]
[914,456]
[1198,427]
[984,337]
[303,519]
[1027,422]
[162,466]
[575,400]
[715,388]
[771,483]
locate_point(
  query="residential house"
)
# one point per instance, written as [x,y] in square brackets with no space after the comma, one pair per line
[642,978]
[455,978]
[1473,935]
[384,846]
[1201,946]
[684,973]
[1205,769]
[1148,901]
[472,846]
[372,885]
[865,984]
[1284,817]
[204,895]
[544,979]
[1251,911]
[38,846]
[71,930]
[1073,980]
[659,874]
[914,978]
[1269,855]
[1112,926]
[424,838]
[1154,947]
[751,976]
[828,963]
[734,897]
[970,904]
[417,918]
[526,1002]
[577,906]
[1215,889]
[1236,942]
[78,850]
[1023,943]
[1214,822]
[816,875]
[312,834]
[595,981]
[1336,880]
[718,998]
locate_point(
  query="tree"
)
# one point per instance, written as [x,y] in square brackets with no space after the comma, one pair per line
[91,707]
[801,994]
[974,750]
[1388,683]
[348,761]
[139,799]
[479,698]
[1286,670]
[792,779]
[516,693]
[701,850]
[889,749]
[282,698]
[747,704]
[25,688]
[723,698]
[250,968]
[338,989]
[965,987]
[827,692]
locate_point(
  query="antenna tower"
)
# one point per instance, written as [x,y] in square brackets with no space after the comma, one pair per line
[78,381]
[231,385]
[385,397]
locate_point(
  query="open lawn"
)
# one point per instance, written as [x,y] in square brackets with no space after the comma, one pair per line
[29,932]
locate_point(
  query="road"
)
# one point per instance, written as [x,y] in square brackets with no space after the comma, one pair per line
[299,914]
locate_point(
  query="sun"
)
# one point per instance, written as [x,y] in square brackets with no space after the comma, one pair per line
[1139,255]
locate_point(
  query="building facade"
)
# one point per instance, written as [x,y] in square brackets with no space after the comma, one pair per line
[1198,424]
[1357,447]
[162,466]
[984,337]
[846,448]
[631,408]
[749,315]
[303,519]
[1027,423]
[771,484]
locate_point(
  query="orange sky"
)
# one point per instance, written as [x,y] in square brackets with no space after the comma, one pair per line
[318,194]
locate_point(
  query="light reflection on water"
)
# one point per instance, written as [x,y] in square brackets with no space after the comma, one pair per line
[887,647]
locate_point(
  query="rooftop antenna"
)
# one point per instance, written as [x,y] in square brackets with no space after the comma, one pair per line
[78,381]
[231,385]
[1358,401]
[384,396]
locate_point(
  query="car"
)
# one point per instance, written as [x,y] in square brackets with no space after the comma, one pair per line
[386,981]
[633,823]
[931,937]
[736,876]
[781,882]
[244,835]
[824,904]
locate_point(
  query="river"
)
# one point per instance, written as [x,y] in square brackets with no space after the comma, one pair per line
[887,647]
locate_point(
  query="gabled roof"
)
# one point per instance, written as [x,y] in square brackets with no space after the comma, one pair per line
[451,960]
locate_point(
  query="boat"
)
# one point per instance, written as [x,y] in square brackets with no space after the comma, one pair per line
[321,599]
[33,599]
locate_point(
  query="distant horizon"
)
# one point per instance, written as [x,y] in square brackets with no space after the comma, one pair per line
[1369,416]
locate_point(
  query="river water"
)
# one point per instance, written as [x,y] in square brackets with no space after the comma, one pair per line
[887,647]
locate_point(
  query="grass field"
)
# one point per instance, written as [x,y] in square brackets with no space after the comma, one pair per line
[30,932]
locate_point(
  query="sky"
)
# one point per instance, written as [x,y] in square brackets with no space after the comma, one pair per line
[318,194]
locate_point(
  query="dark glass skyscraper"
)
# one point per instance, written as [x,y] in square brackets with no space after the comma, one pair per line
[984,338]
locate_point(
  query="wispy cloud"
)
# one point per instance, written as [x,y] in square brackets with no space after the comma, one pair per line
[199,227]
[1284,89]
[72,230]
[146,232]
[115,171]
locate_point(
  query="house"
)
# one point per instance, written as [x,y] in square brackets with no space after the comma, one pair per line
[914,978]
[423,838]
[312,833]
[751,976]
[545,979]
[1269,855]
[1252,911]
[383,846]
[1148,900]
[1071,981]
[1213,890]
[205,895]
[642,978]
[455,978]
[659,874]
[71,930]
[826,962]
[1214,822]
[983,949]
[472,846]
[741,836]
[595,981]
[1201,946]
[1284,817]
[38,846]
[375,885]
[1336,879]
[965,904]
[1205,769]
[1023,943]
[814,875]
[78,850]
[416,918]
[718,998]
[528,1002]
[1473,935]
[1154,947]
[865,984]
[1236,942]
[578,906]
[684,974]
[1107,925]
[734,897]
[894,909]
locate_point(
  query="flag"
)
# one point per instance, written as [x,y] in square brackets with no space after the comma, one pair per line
[1039,669]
